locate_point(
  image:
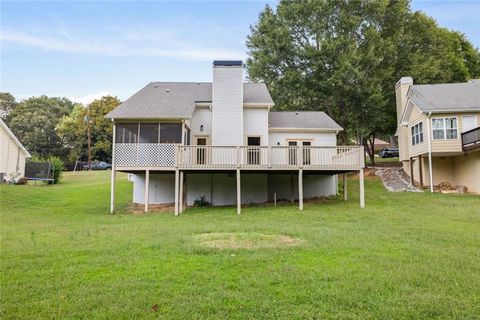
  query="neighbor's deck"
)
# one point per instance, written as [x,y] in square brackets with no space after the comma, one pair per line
[166,157]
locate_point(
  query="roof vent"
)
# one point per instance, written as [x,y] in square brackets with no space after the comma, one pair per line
[168,90]
[156,85]
[296,113]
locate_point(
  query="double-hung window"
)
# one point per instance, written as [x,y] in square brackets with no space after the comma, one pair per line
[444,128]
[417,133]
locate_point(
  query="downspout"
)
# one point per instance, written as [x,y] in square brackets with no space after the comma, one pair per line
[429,152]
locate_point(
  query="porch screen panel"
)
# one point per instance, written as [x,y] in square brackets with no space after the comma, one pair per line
[170,133]
[148,132]
[126,133]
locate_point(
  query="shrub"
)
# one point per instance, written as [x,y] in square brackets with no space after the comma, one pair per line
[22,180]
[58,167]
[35,158]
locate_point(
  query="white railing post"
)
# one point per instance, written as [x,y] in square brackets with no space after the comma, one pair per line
[269,157]
[238,157]
[300,157]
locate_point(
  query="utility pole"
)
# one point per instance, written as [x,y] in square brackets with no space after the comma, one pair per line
[87,118]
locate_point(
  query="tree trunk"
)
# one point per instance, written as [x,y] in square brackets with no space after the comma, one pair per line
[370,147]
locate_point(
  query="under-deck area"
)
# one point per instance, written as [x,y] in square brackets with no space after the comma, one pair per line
[237,171]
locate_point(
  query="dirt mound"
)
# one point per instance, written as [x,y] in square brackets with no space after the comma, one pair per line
[136,208]
[245,240]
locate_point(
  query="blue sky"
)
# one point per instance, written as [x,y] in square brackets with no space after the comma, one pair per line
[84,49]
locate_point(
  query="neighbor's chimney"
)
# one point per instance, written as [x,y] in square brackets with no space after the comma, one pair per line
[227,103]
[401,89]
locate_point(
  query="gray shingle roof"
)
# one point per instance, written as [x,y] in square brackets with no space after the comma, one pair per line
[177,99]
[306,120]
[449,97]
[256,93]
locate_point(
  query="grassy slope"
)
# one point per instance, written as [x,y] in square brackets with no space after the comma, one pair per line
[403,256]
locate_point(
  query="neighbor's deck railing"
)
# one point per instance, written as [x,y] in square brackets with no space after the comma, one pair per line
[242,157]
[471,139]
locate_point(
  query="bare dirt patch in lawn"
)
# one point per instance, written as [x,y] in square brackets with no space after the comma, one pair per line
[245,240]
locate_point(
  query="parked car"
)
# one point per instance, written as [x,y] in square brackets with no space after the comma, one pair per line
[97,165]
[389,153]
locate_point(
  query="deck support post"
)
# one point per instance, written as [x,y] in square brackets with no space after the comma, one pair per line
[300,189]
[429,140]
[430,171]
[411,172]
[147,189]
[112,191]
[362,191]
[112,182]
[420,165]
[345,195]
[180,202]
[239,191]
[292,188]
[176,191]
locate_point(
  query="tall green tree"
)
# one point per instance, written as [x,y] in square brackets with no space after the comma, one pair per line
[344,58]
[7,104]
[34,120]
[73,130]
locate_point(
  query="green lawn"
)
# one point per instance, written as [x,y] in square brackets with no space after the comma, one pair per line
[406,255]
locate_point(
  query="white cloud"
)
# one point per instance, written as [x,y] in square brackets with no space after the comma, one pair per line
[128,45]
[85,100]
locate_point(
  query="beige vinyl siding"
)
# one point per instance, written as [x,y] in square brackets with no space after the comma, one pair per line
[462,170]
[467,171]
[444,146]
[417,116]
[403,147]
[449,145]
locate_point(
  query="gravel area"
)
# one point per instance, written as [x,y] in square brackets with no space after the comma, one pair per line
[395,180]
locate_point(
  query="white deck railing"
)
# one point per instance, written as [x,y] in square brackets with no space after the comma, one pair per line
[242,157]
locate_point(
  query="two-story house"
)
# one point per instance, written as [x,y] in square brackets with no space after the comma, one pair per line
[438,132]
[221,143]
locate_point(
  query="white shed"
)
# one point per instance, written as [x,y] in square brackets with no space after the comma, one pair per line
[12,154]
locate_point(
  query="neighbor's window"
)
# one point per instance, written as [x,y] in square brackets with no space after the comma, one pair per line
[148,132]
[126,133]
[170,132]
[417,133]
[444,128]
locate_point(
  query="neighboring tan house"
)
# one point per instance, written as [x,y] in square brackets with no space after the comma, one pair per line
[438,132]
[12,155]
[221,143]
[380,144]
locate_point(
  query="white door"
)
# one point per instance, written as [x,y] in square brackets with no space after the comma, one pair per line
[469,122]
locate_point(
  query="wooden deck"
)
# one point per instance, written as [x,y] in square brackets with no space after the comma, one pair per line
[150,157]
[160,156]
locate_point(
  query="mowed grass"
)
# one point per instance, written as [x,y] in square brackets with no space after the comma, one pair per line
[406,255]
